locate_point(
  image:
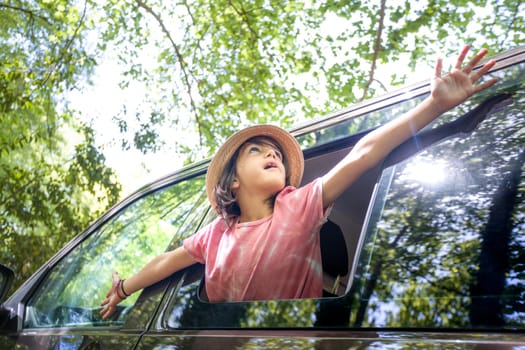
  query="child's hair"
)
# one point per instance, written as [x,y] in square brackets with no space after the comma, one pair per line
[227,206]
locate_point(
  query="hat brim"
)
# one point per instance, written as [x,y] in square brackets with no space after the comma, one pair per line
[289,145]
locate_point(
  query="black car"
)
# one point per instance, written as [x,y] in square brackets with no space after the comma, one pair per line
[426,250]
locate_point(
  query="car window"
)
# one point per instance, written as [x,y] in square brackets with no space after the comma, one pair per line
[72,292]
[446,243]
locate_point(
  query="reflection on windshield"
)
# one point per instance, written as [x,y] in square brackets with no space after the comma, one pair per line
[446,247]
[426,172]
[72,293]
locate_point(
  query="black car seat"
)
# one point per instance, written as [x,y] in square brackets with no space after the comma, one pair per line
[334,257]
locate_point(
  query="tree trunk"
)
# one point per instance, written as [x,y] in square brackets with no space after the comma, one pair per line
[488,287]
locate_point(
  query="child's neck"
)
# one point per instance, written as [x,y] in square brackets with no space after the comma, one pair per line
[255,210]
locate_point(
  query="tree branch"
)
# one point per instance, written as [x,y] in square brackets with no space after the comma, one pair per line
[66,46]
[180,59]
[243,14]
[193,20]
[31,13]
[377,48]
[516,15]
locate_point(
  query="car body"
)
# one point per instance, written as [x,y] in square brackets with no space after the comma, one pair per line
[425,250]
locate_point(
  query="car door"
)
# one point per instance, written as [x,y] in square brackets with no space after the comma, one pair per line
[60,308]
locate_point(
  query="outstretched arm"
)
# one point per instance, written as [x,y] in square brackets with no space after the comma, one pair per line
[447,91]
[462,126]
[157,269]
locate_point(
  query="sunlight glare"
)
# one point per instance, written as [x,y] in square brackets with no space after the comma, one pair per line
[426,172]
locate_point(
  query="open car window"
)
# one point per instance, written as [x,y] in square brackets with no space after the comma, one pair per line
[71,294]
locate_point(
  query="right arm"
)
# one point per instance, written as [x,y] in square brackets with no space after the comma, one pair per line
[157,269]
[447,91]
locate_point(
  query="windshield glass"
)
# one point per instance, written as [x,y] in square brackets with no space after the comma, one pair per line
[445,247]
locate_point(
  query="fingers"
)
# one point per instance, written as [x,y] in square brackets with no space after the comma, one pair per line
[462,56]
[480,72]
[108,308]
[106,312]
[475,76]
[473,61]
[463,81]
[439,68]
[485,84]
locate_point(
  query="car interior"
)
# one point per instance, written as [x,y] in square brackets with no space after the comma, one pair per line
[344,222]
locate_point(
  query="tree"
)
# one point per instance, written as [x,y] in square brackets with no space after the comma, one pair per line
[226,64]
[53,180]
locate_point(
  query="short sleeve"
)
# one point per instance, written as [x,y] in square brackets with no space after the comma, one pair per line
[197,245]
[304,204]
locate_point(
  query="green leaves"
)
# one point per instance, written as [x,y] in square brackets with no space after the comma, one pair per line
[226,64]
[53,180]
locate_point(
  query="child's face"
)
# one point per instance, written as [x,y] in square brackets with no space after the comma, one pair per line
[260,168]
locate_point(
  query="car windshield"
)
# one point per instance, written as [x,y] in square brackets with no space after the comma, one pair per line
[445,247]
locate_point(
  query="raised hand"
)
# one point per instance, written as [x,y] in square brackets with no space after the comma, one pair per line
[455,87]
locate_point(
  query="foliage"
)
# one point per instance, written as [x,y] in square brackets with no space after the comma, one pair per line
[53,180]
[226,64]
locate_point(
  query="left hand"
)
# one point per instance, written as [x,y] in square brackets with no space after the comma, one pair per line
[109,305]
[455,87]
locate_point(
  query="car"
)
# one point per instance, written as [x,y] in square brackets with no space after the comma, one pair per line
[425,250]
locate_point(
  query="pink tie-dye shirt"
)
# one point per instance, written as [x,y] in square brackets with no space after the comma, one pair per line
[277,257]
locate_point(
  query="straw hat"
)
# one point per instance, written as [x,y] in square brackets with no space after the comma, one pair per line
[290,147]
